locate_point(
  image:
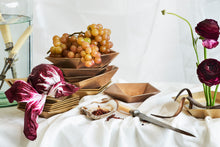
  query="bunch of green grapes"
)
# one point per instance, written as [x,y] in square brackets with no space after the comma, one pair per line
[88,46]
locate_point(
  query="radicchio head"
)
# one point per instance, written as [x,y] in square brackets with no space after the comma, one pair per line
[44,80]
[44,76]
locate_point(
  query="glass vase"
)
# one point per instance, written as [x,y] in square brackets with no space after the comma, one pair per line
[15,18]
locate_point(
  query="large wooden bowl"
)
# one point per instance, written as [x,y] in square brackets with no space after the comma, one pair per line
[99,80]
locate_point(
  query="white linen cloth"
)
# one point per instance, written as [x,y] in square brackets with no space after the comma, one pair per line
[74,129]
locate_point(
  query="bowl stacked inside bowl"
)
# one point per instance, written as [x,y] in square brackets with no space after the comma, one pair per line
[91,80]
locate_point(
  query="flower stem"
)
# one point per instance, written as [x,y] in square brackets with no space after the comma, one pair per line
[209,95]
[193,39]
[205,53]
[215,94]
[206,89]
[206,96]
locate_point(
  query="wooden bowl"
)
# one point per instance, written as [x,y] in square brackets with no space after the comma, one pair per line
[99,80]
[76,62]
[131,92]
[72,72]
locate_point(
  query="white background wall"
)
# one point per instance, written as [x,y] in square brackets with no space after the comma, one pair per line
[152,47]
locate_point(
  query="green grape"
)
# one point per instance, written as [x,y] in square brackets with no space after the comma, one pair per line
[70,54]
[63,40]
[85,45]
[105,36]
[58,50]
[64,53]
[56,43]
[101,32]
[66,35]
[80,40]
[103,42]
[79,49]
[73,48]
[63,46]
[88,34]
[94,53]
[53,50]
[94,26]
[77,55]
[72,39]
[87,40]
[88,57]
[109,44]
[56,37]
[98,60]
[88,50]
[98,54]
[88,63]
[94,42]
[95,32]
[83,60]
[82,53]
[108,50]
[98,38]
[100,27]
[103,49]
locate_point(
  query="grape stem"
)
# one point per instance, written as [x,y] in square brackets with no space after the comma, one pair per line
[77,33]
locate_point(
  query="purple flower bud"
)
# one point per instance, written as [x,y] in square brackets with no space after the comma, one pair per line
[209,72]
[209,43]
[208,29]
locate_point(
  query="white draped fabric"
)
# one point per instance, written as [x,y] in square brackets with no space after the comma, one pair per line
[152,47]
[74,129]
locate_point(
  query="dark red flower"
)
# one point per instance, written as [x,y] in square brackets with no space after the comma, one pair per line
[208,29]
[209,72]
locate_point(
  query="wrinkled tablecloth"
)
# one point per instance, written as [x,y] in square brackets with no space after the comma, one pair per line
[74,129]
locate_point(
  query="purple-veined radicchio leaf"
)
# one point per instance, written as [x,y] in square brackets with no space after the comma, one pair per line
[62,89]
[44,76]
[21,91]
[24,92]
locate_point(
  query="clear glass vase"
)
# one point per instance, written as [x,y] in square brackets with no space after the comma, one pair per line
[15,18]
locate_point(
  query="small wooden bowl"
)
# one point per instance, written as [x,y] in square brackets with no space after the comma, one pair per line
[131,92]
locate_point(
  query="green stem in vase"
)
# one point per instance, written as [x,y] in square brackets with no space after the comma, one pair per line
[205,87]
[209,95]
[215,94]
[205,53]
[206,96]
[194,41]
